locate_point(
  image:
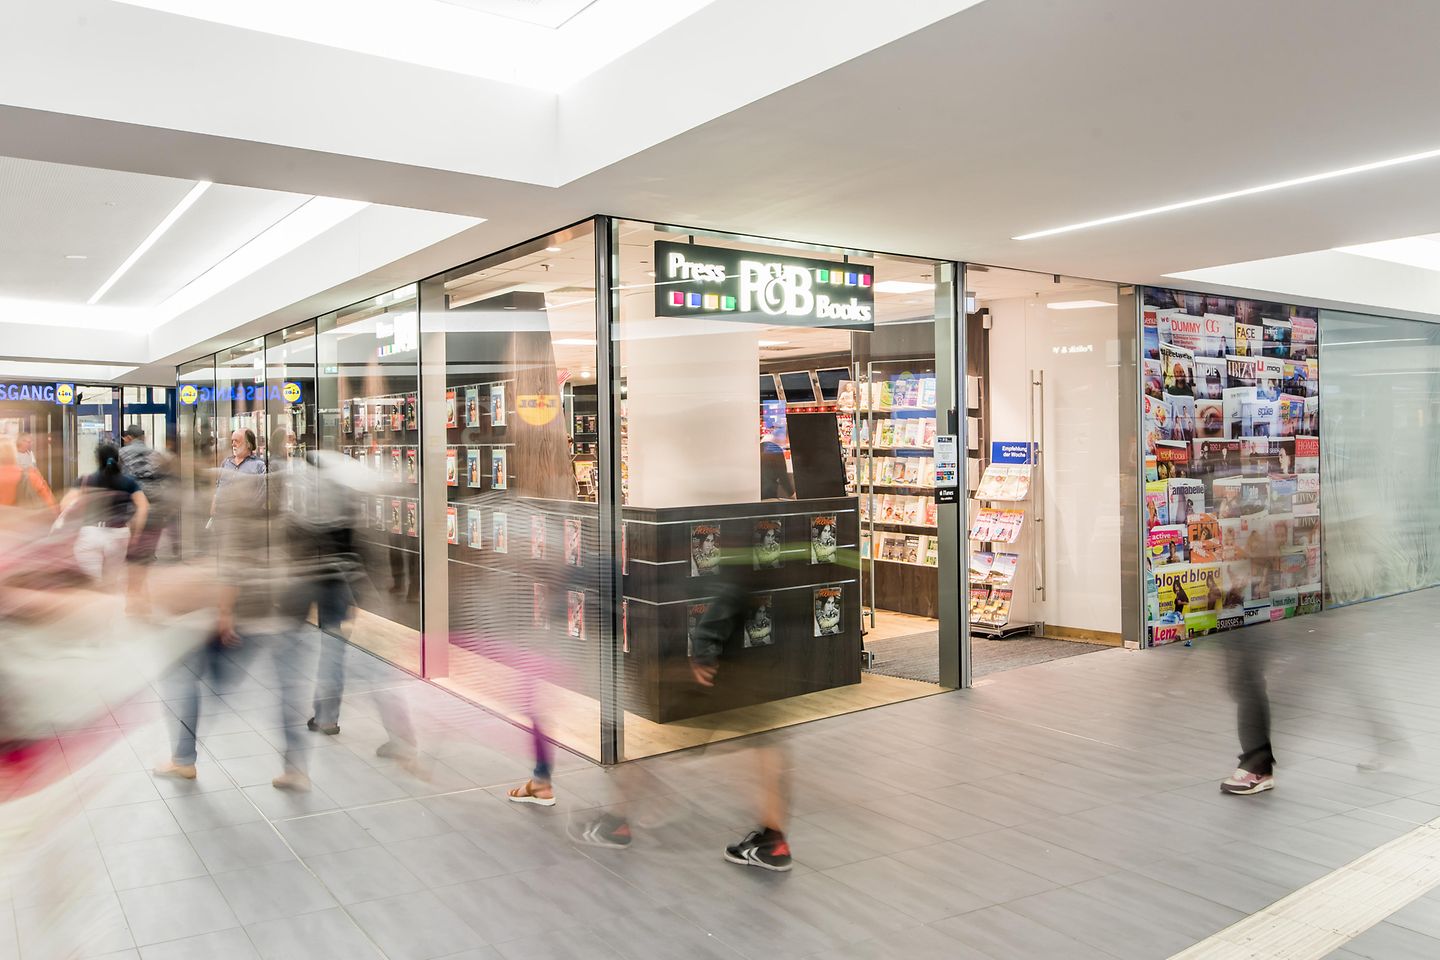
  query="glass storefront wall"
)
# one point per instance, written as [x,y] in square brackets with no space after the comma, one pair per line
[1231,426]
[1380,458]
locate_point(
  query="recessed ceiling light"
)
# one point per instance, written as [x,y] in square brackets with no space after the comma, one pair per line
[574,342]
[509,306]
[552,249]
[76,256]
[773,343]
[186,202]
[586,374]
[1078,304]
[1233,194]
[902,286]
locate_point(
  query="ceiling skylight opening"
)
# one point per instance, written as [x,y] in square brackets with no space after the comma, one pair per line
[160,230]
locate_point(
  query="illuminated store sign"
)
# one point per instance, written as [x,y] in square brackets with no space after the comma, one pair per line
[696,281]
[61,393]
[288,392]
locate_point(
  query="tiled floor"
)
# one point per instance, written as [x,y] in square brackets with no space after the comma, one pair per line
[1065,810]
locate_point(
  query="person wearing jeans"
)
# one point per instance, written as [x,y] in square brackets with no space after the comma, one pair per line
[1245,665]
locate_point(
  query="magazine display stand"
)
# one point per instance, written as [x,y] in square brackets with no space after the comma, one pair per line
[791,563]
[890,465]
[382,433]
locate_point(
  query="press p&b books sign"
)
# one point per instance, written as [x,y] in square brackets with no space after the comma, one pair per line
[696,281]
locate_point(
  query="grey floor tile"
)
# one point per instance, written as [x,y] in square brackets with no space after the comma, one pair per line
[875,830]
[1386,941]
[414,926]
[1038,857]
[1003,934]
[284,804]
[402,820]
[579,944]
[226,746]
[365,873]
[210,811]
[919,943]
[324,833]
[117,789]
[839,910]
[133,821]
[170,911]
[243,845]
[327,935]
[141,863]
[756,927]
[648,934]
[1015,799]
[499,909]
[446,859]
[232,944]
[892,883]
[80,926]
[273,890]
[821,849]
[931,816]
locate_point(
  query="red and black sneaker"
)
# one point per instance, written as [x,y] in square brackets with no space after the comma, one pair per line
[606,830]
[767,849]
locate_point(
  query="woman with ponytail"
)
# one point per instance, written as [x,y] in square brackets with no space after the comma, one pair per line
[107,506]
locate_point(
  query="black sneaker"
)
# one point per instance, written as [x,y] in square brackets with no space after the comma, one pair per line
[329,730]
[606,830]
[767,849]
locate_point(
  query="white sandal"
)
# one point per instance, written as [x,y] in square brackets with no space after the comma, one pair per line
[527,794]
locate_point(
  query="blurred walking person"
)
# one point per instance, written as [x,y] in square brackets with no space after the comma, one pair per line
[21,486]
[1245,659]
[109,508]
[154,472]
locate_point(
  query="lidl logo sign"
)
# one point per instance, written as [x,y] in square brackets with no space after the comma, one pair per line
[189,393]
[291,392]
[65,393]
[537,409]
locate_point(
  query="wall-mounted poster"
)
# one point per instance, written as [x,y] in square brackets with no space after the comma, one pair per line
[704,549]
[499,532]
[575,614]
[1224,545]
[827,611]
[452,466]
[759,628]
[574,542]
[497,404]
[452,523]
[472,406]
[824,540]
[476,534]
[412,518]
[472,467]
[537,538]
[499,468]
[768,548]
[397,516]
[451,414]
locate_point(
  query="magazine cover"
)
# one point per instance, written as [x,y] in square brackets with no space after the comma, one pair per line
[1182,331]
[397,414]
[499,468]
[472,406]
[910,550]
[497,404]
[997,610]
[1277,338]
[1219,336]
[412,465]
[827,611]
[347,422]
[411,412]
[1178,366]
[1166,545]
[452,523]
[1172,459]
[1184,496]
[1204,538]
[397,516]
[981,563]
[472,467]
[397,465]
[1157,510]
[992,481]
[412,518]
[1210,374]
[1308,599]
[767,547]
[1269,378]
[847,397]
[625,625]
[377,516]
[823,539]
[1188,587]
[1157,422]
[1291,415]
[475,535]
[452,418]
[1182,416]
[704,549]
[575,614]
[1241,372]
[1210,419]
[537,538]
[1162,632]
[1249,340]
[1283,603]
[1217,458]
[540,606]
[1150,335]
[759,631]
[499,532]
[1260,418]
[362,417]
[979,596]
[1003,570]
[1282,495]
[1016,486]
[694,617]
[930,551]
[574,542]
[452,467]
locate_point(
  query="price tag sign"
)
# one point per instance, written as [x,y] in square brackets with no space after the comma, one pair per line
[947,468]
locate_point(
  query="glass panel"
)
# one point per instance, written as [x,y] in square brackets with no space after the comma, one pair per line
[97,420]
[510,356]
[290,404]
[369,410]
[1232,462]
[1380,455]
[1043,466]
[200,447]
[777,430]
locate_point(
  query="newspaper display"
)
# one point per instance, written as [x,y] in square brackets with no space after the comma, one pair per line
[1232,463]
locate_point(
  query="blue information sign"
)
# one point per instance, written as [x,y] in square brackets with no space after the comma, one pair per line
[1011,451]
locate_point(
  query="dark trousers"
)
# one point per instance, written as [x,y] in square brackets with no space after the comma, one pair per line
[1245,664]
[212,665]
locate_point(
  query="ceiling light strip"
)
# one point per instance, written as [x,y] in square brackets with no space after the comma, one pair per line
[1233,194]
[185,203]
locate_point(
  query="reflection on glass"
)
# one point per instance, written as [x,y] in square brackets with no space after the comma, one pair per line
[200,448]
[1380,454]
[369,411]
[779,411]
[521,433]
[290,413]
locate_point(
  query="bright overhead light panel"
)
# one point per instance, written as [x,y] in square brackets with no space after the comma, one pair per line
[186,202]
[1234,194]
[1407,251]
[1078,304]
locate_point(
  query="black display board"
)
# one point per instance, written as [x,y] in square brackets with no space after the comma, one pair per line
[815,455]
